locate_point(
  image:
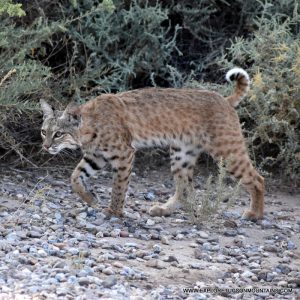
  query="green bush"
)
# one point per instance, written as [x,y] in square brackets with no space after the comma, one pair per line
[115,49]
[270,114]
[70,49]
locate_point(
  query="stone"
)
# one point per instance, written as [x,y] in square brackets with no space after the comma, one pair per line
[271,248]
[109,281]
[150,222]
[165,240]
[171,258]
[156,248]
[108,271]
[155,263]
[203,234]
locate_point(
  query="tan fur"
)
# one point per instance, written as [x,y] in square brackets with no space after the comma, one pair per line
[112,127]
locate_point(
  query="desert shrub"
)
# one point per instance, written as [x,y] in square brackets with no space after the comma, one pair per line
[122,47]
[203,206]
[22,80]
[271,113]
[13,10]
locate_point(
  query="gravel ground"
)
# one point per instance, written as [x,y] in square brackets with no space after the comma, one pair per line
[52,246]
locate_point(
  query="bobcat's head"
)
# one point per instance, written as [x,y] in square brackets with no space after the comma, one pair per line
[60,128]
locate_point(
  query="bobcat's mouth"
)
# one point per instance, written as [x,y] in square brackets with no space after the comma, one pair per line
[53,150]
[57,149]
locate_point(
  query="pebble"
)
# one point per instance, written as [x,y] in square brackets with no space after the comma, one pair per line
[156,248]
[165,240]
[109,282]
[155,263]
[207,246]
[150,196]
[230,232]
[108,271]
[171,258]
[203,234]
[150,222]
[291,245]
[62,249]
[271,248]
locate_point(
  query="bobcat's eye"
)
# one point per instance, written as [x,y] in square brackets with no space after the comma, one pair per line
[43,132]
[58,134]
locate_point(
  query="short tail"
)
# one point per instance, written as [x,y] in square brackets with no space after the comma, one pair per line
[242,85]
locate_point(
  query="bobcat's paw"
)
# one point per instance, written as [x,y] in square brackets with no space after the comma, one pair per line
[159,211]
[93,204]
[252,215]
[110,212]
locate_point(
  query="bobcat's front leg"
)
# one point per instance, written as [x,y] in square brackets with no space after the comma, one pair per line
[86,168]
[122,165]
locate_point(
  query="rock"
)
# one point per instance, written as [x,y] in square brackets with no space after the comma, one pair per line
[179,237]
[12,237]
[282,283]
[42,253]
[231,215]
[149,196]
[150,222]
[108,271]
[117,264]
[132,245]
[270,277]
[285,269]
[271,248]
[84,281]
[124,233]
[128,272]
[207,246]
[201,255]
[221,258]
[109,281]
[247,274]
[295,281]
[230,224]
[165,240]
[262,275]
[115,233]
[73,251]
[61,277]
[156,248]
[171,258]
[59,264]
[155,263]
[230,232]
[291,245]
[203,234]
[239,241]
[99,234]
[265,224]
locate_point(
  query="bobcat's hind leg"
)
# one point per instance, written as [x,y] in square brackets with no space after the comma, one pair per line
[240,166]
[86,168]
[183,160]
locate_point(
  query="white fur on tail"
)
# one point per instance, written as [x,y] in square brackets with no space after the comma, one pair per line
[242,86]
[236,71]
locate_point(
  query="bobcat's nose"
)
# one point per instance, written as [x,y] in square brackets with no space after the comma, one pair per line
[46,146]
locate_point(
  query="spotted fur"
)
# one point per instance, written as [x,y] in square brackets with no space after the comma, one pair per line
[111,127]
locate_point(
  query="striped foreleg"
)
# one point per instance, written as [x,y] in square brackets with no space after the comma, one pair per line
[86,168]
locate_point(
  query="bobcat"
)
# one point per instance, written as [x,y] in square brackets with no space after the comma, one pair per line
[110,128]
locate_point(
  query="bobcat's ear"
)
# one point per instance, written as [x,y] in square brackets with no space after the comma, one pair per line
[72,114]
[47,109]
